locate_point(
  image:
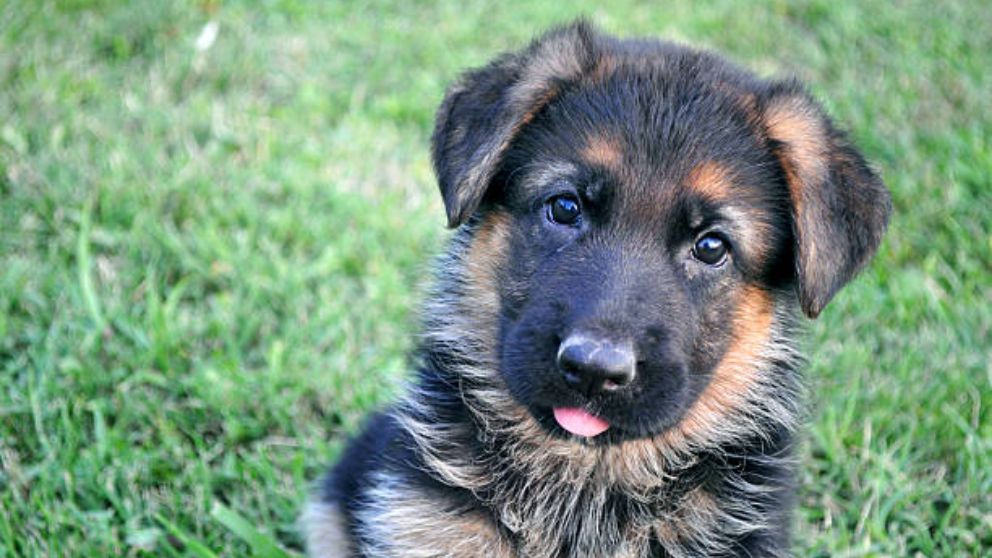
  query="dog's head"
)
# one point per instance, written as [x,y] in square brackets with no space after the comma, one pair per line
[647,217]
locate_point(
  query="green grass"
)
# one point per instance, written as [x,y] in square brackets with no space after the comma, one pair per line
[209,260]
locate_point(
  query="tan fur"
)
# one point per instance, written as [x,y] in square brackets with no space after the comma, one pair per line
[602,151]
[412,524]
[714,182]
[751,226]
[793,122]
[698,515]
[486,256]
[711,180]
[805,160]
[325,532]
[736,375]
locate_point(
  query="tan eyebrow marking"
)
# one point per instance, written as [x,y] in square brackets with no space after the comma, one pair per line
[711,180]
[602,151]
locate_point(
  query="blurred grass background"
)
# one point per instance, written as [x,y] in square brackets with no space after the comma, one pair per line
[210,252]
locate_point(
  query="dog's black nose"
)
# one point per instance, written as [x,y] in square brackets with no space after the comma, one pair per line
[592,365]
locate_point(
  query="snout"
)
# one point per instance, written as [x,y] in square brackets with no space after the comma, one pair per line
[593,364]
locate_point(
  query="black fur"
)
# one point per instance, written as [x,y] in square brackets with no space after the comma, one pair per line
[660,145]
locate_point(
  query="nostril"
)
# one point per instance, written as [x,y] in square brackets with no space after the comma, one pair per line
[571,377]
[570,362]
[572,355]
[616,362]
[612,385]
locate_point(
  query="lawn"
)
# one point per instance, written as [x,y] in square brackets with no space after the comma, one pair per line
[211,254]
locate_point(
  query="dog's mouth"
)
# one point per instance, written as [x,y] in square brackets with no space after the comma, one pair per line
[580,422]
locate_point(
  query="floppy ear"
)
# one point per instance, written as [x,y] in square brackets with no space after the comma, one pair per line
[487,108]
[840,206]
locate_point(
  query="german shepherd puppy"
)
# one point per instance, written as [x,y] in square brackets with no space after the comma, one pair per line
[608,366]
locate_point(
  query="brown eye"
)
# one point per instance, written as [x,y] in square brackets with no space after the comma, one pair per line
[563,210]
[710,249]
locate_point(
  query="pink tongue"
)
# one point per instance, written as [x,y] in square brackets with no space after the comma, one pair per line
[580,422]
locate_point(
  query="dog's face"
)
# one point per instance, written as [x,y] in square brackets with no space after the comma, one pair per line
[637,234]
[657,209]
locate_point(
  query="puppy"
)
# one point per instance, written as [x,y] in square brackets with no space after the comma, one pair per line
[608,365]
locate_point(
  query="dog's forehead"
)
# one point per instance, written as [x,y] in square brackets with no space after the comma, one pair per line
[658,124]
[657,137]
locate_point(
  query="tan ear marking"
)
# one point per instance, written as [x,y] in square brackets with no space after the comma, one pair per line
[799,129]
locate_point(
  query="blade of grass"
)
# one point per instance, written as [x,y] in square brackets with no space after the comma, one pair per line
[84,263]
[262,545]
[194,546]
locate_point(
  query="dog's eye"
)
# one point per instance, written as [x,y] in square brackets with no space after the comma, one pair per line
[564,210]
[710,249]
